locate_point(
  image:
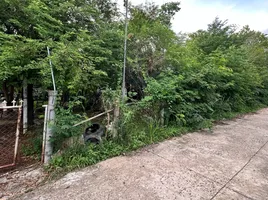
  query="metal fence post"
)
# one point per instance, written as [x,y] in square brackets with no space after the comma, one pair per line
[44,135]
[17,135]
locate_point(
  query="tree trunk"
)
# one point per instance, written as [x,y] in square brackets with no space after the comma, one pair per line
[8,93]
[30,104]
[65,99]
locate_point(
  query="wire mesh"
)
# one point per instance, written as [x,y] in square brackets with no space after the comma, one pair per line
[9,133]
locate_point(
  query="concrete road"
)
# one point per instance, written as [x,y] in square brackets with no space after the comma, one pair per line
[231,162]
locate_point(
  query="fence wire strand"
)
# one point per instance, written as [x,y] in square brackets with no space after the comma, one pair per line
[9,125]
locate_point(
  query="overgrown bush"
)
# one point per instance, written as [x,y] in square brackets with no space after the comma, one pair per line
[33,146]
[213,74]
[64,125]
[79,156]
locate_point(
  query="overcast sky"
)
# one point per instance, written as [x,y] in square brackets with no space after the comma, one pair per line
[196,14]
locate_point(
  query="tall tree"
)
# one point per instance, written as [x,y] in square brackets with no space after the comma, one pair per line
[218,35]
[76,32]
[150,35]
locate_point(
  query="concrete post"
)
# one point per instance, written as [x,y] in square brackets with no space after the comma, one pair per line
[13,102]
[4,104]
[50,118]
[25,106]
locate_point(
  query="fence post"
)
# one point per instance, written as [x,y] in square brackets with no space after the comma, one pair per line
[4,103]
[44,135]
[25,106]
[13,102]
[116,120]
[50,118]
[17,135]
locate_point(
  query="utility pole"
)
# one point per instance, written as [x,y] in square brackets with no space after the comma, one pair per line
[125,52]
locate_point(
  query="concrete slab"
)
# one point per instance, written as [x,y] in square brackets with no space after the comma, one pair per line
[174,178]
[147,176]
[229,163]
[227,194]
[218,155]
[257,120]
[253,179]
[209,165]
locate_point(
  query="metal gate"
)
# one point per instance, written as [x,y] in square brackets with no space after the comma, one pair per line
[10,120]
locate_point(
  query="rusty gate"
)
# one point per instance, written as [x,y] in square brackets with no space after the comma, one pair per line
[10,121]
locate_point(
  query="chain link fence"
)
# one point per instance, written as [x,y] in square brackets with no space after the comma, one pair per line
[10,122]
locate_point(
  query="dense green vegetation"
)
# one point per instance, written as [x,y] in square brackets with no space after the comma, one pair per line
[178,82]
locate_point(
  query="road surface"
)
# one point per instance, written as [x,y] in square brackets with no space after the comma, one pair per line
[231,162]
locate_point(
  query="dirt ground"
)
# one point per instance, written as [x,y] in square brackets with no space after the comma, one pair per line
[229,162]
[24,176]
[20,180]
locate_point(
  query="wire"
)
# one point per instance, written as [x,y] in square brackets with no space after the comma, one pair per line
[52,73]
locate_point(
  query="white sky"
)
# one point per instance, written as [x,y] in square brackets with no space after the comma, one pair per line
[196,14]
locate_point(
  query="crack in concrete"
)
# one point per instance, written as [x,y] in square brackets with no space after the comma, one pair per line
[224,186]
[159,156]
[185,167]
[250,198]
[203,176]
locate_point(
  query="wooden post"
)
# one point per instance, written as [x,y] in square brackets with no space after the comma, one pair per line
[116,119]
[108,119]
